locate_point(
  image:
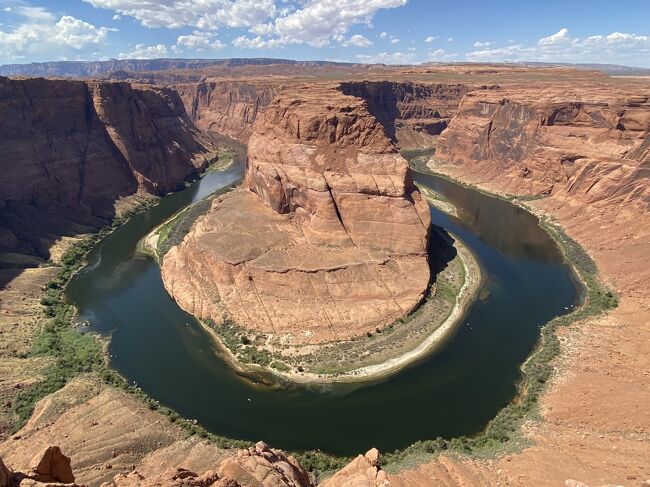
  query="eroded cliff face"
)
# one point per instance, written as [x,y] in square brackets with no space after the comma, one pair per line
[587,145]
[331,234]
[413,114]
[70,149]
[227,107]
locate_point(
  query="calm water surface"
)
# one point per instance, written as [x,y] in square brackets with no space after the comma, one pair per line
[454,392]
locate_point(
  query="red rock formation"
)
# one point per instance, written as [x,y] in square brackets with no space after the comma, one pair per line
[73,148]
[49,468]
[258,466]
[227,107]
[590,145]
[333,242]
[363,471]
[412,113]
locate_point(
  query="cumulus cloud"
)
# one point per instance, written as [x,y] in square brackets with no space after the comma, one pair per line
[560,36]
[441,55]
[482,44]
[357,40]
[204,14]
[387,58]
[617,47]
[258,42]
[394,40]
[142,51]
[431,39]
[383,35]
[198,41]
[313,22]
[40,34]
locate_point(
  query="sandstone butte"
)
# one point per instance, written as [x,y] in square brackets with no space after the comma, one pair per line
[580,139]
[331,233]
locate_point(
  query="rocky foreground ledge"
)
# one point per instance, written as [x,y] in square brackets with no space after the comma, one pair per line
[257,466]
[326,241]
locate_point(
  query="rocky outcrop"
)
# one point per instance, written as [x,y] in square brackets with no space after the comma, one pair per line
[588,145]
[51,465]
[257,466]
[331,232]
[70,149]
[49,468]
[227,107]
[363,471]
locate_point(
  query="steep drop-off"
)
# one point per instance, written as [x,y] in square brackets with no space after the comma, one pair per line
[227,107]
[588,144]
[331,234]
[412,113]
[70,149]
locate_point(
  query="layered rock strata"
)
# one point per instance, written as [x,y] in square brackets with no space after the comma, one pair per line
[227,107]
[330,234]
[70,149]
[591,144]
[412,113]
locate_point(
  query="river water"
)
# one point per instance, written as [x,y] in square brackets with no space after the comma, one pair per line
[454,392]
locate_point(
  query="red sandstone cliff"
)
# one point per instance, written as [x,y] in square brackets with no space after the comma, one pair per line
[332,240]
[227,107]
[588,144]
[70,149]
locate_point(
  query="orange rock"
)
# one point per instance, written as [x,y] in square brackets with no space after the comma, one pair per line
[51,465]
[363,471]
[331,245]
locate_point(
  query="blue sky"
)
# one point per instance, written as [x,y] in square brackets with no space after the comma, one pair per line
[389,31]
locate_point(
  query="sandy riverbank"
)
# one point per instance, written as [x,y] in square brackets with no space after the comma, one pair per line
[467,294]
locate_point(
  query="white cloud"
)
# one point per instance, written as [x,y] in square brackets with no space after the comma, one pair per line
[313,22]
[482,44]
[358,41]
[258,42]
[383,35]
[198,41]
[117,17]
[203,14]
[76,33]
[431,39]
[41,35]
[142,51]
[558,37]
[387,58]
[617,48]
[394,41]
[450,39]
[441,55]
[318,22]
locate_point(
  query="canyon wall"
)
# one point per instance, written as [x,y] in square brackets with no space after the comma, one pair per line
[412,113]
[70,149]
[331,232]
[228,107]
[589,144]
